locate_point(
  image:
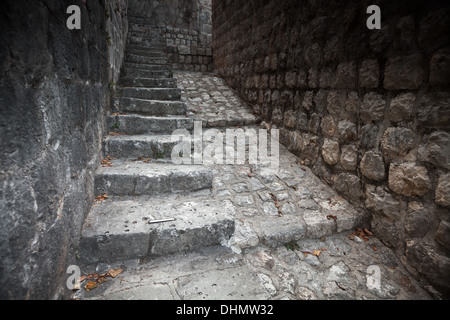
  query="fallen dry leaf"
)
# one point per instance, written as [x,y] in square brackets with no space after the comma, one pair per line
[316,253]
[114,273]
[90,285]
[330,216]
[101,198]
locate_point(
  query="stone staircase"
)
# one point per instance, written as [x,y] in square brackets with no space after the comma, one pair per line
[148,109]
[141,186]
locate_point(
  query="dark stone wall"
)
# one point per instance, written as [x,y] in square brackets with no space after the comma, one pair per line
[367,110]
[53,98]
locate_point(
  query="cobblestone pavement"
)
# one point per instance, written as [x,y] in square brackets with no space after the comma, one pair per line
[294,236]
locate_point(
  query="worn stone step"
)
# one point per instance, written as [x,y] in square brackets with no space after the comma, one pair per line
[151,107]
[145,36]
[147,66]
[120,230]
[171,94]
[146,44]
[145,53]
[132,58]
[135,146]
[131,178]
[148,82]
[139,124]
[132,47]
[132,72]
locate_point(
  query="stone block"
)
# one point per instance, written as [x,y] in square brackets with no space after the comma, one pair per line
[382,203]
[418,220]
[435,149]
[328,126]
[372,166]
[433,110]
[347,131]
[368,136]
[330,151]
[346,76]
[442,195]
[349,186]
[349,157]
[373,107]
[440,67]
[409,179]
[397,142]
[369,74]
[400,108]
[442,235]
[405,72]
[433,30]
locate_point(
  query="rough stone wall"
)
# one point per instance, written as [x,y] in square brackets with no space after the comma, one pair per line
[368,110]
[186,25]
[54,95]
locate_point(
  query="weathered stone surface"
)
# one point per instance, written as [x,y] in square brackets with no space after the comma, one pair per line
[418,220]
[397,142]
[439,67]
[349,186]
[431,30]
[349,157]
[310,148]
[54,95]
[373,107]
[442,196]
[409,179]
[328,126]
[382,202]
[442,235]
[433,110]
[433,265]
[369,74]
[330,151]
[368,136]
[436,149]
[372,166]
[289,119]
[347,131]
[346,76]
[400,108]
[389,231]
[334,105]
[353,102]
[404,72]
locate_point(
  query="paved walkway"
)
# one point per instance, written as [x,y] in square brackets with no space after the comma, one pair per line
[294,236]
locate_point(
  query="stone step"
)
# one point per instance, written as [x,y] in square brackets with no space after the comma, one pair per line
[146,42]
[133,178]
[145,53]
[122,230]
[133,47]
[139,124]
[132,58]
[132,72]
[151,107]
[147,66]
[143,36]
[171,94]
[148,82]
[135,146]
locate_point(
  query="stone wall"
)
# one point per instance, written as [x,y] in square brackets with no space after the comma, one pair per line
[367,110]
[54,95]
[186,25]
